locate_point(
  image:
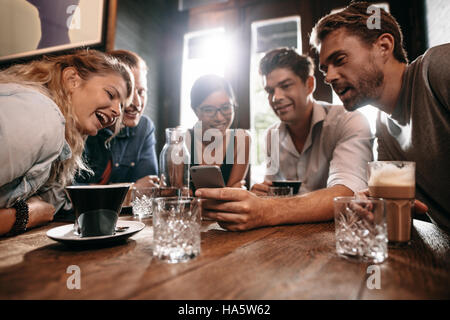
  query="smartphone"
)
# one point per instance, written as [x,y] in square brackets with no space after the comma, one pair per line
[207,177]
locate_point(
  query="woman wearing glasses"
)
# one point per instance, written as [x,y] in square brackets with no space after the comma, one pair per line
[212,141]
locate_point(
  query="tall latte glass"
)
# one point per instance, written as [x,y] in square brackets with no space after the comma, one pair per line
[394,181]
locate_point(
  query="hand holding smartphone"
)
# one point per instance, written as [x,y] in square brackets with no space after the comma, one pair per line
[207,177]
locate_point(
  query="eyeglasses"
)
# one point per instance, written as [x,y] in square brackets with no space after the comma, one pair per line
[210,111]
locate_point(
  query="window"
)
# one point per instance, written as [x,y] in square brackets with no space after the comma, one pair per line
[266,35]
[205,52]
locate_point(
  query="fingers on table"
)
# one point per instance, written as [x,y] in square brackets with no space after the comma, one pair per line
[260,189]
[226,206]
[231,226]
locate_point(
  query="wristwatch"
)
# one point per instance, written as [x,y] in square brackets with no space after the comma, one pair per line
[20,225]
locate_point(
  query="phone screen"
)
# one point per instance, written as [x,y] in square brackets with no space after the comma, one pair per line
[207,177]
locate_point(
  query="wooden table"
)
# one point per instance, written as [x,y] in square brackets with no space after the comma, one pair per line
[284,262]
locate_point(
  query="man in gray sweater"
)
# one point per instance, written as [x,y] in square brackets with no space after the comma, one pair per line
[362,57]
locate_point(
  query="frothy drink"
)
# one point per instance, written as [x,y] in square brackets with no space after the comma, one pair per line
[394,181]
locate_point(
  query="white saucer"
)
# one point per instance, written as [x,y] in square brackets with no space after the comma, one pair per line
[65,234]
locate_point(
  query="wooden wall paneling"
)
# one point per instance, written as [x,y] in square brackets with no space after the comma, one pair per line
[227,18]
[214,7]
[171,47]
[411,16]
[141,27]
[111,25]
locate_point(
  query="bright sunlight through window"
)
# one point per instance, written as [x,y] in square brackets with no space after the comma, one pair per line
[205,52]
[266,35]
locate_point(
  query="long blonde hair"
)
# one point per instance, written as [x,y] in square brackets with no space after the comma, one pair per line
[45,75]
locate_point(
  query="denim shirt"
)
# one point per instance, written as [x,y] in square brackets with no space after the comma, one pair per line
[132,153]
[32,137]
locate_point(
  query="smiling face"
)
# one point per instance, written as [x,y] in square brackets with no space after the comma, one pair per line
[97,101]
[288,94]
[350,67]
[133,112]
[221,120]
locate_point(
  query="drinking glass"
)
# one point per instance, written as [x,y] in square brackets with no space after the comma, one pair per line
[360,227]
[176,229]
[142,201]
[280,192]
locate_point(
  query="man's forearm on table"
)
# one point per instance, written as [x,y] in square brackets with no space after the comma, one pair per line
[311,207]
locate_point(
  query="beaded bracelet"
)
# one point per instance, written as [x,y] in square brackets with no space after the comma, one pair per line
[20,225]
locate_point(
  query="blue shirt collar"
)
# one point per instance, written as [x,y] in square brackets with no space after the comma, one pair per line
[66,152]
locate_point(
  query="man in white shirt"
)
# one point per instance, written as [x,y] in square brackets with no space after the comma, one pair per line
[319,144]
[322,145]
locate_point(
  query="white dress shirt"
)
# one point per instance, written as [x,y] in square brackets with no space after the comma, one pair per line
[336,151]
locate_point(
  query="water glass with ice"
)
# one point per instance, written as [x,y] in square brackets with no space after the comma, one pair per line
[360,227]
[142,201]
[176,229]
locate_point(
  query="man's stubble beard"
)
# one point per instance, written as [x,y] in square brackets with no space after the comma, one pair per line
[370,87]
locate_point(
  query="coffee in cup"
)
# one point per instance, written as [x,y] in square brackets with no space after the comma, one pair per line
[97,208]
[394,181]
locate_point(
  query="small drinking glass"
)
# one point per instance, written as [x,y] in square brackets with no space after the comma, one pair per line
[176,229]
[280,191]
[360,226]
[142,201]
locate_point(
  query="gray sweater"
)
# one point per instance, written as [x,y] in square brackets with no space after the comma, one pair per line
[419,130]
